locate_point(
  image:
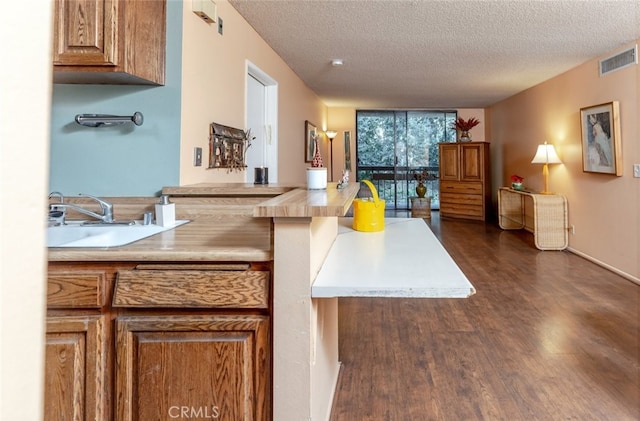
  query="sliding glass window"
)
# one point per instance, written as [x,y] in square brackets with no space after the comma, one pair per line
[392,146]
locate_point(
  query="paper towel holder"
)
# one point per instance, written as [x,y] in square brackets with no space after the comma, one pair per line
[99,120]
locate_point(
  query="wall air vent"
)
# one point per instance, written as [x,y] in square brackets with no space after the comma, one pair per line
[619,61]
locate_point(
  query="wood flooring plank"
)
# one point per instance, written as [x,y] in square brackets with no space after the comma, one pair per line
[548,336]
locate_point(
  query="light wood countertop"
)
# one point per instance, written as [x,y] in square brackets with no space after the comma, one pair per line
[309,203]
[202,240]
[217,236]
[229,189]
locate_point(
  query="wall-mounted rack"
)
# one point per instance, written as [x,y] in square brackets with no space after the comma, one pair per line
[228,147]
[99,120]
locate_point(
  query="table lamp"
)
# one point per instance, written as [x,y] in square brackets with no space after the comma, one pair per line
[546,154]
[331,134]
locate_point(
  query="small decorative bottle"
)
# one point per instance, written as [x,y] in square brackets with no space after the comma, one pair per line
[317,173]
[165,212]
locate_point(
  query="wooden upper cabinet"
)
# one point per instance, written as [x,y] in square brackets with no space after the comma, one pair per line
[472,159]
[109,41]
[85,32]
[449,162]
[462,162]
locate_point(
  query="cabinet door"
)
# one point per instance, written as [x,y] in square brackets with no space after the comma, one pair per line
[193,366]
[472,162]
[109,41]
[85,32]
[76,368]
[449,162]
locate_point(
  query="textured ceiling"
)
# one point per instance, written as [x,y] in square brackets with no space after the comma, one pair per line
[436,54]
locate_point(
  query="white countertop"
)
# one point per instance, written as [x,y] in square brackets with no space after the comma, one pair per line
[404,260]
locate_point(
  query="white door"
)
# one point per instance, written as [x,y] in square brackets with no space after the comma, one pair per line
[261,109]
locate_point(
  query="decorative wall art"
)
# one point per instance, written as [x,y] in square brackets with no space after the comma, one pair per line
[310,132]
[601,150]
[228,147]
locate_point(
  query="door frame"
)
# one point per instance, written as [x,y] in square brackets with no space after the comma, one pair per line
[270,117]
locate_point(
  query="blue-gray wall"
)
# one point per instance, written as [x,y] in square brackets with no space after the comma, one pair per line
[123,160]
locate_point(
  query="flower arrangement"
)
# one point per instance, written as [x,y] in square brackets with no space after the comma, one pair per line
[465,126]
[516,182]
[423,176]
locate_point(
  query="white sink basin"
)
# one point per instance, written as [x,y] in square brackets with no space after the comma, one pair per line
[77,235]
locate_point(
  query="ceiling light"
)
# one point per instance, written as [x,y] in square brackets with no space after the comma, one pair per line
[337,62]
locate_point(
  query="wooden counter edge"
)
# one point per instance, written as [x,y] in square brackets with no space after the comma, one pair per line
[229,189]
[310,203]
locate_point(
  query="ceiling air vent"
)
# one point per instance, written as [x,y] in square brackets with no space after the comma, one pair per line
[619,61]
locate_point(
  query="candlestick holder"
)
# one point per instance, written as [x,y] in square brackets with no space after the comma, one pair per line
[261,175]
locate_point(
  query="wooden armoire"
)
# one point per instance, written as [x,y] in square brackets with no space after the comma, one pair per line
[465,181]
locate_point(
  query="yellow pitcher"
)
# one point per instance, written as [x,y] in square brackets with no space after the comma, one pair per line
[368,215]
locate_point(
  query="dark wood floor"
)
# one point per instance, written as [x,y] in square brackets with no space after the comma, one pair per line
[548,336]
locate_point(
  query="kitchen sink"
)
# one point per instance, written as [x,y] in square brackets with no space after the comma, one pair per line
[75,234]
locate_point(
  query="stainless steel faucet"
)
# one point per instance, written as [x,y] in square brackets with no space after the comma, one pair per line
[106,217]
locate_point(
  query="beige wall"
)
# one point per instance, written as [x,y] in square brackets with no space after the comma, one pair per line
[25,114]
[603,208]
[213,90]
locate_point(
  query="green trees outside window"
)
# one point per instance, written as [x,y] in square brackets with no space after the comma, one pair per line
[393,146]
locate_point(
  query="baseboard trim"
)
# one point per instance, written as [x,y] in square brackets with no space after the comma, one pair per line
[617,271]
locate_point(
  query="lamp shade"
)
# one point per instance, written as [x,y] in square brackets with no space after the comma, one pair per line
[546,154]
[331,134]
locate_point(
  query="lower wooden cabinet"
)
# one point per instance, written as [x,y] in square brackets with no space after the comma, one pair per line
[147,342]
[192,367]
[77,377]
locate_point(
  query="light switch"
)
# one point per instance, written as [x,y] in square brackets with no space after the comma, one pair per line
[206,9]
[197,157]
[636,170]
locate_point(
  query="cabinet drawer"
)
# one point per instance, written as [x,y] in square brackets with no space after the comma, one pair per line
[461,209]
[468,199]
[82,289]
[460,187]
[192,289]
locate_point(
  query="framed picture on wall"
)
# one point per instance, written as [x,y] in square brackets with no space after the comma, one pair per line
[309,133]
[347,151]
[601,150]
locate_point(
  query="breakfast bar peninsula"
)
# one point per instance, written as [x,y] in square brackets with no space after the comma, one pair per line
[318,257]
